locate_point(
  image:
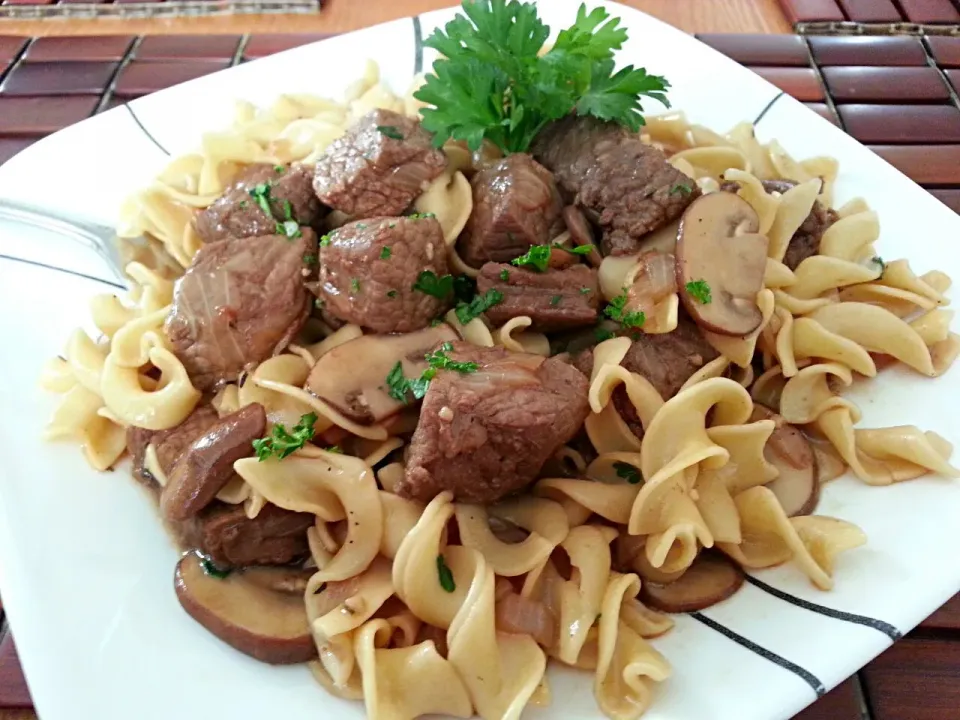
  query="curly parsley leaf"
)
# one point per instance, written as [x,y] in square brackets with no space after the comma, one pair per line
[429,283]
[493,82]
[699,290]
[281,442]
[536,258]
[438,360]
[479,305]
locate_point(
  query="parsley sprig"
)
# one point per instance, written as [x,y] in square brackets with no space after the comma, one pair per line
[628,472]
[281,442]
[492,82]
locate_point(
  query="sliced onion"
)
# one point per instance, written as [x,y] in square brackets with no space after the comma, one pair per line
[523,616]
[653,278]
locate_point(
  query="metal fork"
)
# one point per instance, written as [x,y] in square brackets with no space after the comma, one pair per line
[101,239]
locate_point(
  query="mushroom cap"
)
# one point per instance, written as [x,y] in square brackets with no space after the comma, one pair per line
[718,243]
[797,487]
[352,376]
[242,611]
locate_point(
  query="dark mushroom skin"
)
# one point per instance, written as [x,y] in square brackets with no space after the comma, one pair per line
[710,579]
[260,622]
[718,244]
[207,465]
[797,486]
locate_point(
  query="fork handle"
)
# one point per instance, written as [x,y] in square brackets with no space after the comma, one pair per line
[99,238]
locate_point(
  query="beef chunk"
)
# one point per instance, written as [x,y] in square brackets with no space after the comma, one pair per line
[554,300]
[168,444]
[626,187]
[806,240]
[668,360]
[240,301]
[237,214]
[486,434]
[206,466]
[368,270]
[230,539]
[515,205]
[378,167]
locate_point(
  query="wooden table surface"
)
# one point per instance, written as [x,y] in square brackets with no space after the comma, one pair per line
[761,16]
[919,679]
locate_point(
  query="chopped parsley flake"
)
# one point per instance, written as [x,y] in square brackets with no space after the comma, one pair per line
[438,360]
[555,300]
[585,291]
[282,442]
[206,564]
[429,283]
[616,310]
[355,285]
[628,472]
[261,195]
[537,258]
[504,275]
[398,386]
[391,293]
[390,131]
[361,226]
[310,259]
[385,252]
[335,449]
[421,216]
[683,188]
[479,305]
[577,250]
[279,169]
[445,575]
[602,334]
[327,239]
[699,290]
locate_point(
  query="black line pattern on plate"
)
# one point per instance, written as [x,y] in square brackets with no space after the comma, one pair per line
[808,677]
[63,270]
[768,107]
[886,628]
[145,131]
[417,45]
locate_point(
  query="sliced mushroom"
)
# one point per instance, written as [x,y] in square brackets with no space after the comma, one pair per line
[797,487]
[581,234]
[265,624]
[207,465]
[719,248]
[353,377]
[629,556]
[710,579]
[289,580]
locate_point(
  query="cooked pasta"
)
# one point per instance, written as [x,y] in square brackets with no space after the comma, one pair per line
[451,606]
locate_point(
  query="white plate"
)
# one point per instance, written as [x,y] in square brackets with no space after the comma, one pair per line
[87,569]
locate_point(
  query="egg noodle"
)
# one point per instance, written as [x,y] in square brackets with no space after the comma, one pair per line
[376,588]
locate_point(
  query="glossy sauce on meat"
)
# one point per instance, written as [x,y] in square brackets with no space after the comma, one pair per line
[382,163]
[368,270]
[624,186]
[515,205]
[240,301]
[486,434]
